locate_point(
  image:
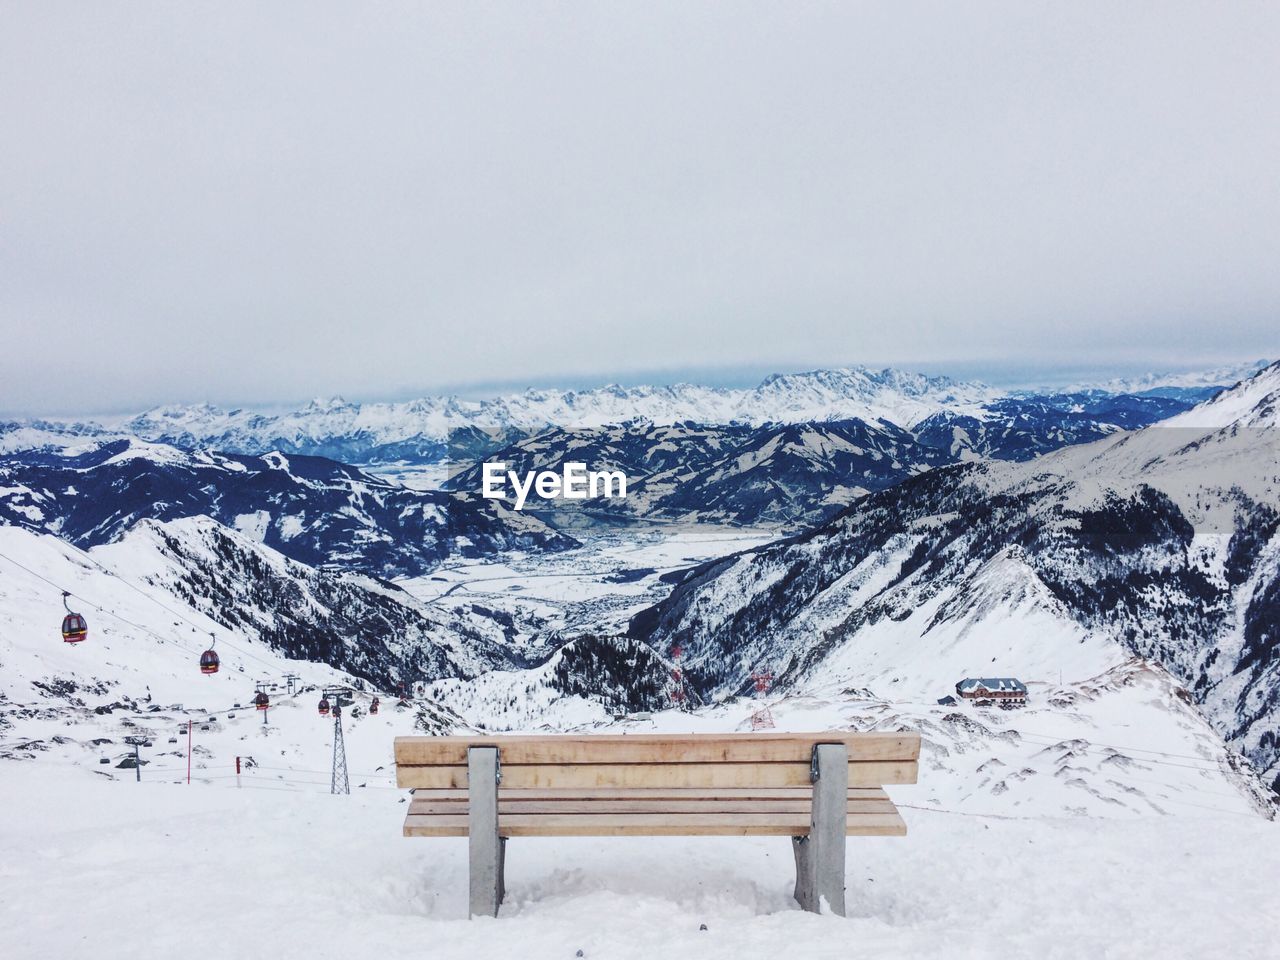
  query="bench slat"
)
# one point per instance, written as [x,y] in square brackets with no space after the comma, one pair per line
[605,775]
[645,793]
[656,805]
[652,824]
[614,749]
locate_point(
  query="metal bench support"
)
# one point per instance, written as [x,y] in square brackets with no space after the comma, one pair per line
[820,856]
[487,849]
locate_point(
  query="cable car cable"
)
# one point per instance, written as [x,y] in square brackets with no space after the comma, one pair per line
[136,626]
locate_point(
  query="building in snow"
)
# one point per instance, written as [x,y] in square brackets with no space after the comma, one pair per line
[999,689]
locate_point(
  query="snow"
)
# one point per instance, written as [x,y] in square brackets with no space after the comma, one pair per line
[255,524]
[578,587]
[105,870]
[1252,404]
[1105,818]
[1112,825]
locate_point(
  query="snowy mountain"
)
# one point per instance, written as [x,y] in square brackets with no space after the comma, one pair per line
[867,428]
[796,475]
[154,598]
[846,393]
[1023,427]
[1164,543]
[1192,385]
[164,592]
[311,509]
[423,430]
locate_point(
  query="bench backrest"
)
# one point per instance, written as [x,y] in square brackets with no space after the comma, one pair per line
[633,761]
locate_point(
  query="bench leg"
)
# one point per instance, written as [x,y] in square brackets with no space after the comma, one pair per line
[820,856]
[804,878]
[502,869]
[485,846]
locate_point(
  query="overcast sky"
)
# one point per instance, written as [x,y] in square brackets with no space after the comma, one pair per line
[253,203]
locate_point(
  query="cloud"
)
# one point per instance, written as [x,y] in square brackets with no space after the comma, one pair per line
[249,202]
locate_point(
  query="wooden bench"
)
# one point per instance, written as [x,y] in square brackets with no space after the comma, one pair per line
[816,788]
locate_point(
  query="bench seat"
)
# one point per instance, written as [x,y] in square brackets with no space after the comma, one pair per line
[763,812]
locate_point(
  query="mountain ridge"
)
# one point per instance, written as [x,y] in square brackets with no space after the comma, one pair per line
[422,429]
[1162,542]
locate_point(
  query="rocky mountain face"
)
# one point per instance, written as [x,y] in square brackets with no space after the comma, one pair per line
[311,509]
[796,475]
[364,626]
[1164,543]
[1024,427]
[579,681]
[780,474]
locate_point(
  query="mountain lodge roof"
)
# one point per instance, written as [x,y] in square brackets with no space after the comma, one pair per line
[993,684]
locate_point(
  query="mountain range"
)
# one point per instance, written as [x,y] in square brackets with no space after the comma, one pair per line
[311,509]
[432,429]
[794,475]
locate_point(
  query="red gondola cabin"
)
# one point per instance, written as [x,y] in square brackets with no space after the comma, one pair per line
[74,628]
[209,662]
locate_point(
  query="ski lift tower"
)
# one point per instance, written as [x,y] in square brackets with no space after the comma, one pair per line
[137,742]
[762,719]
[338,780]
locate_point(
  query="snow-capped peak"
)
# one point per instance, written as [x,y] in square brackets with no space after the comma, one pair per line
[1227,374]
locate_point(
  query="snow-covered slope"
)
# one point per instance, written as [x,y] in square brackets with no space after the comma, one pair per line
[1163,543]
[288,869]
[153,598]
